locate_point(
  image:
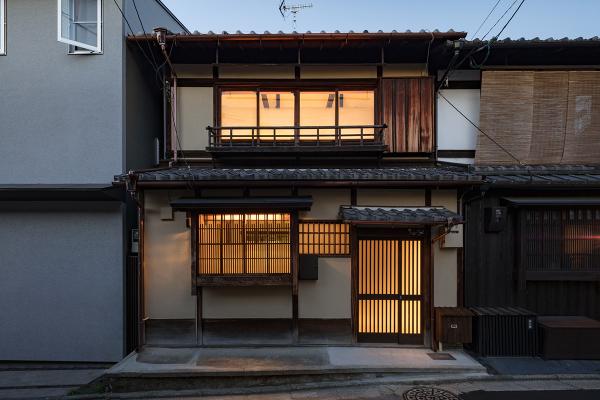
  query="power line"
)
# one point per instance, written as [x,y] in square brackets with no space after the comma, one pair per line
[510,19]
[480,130]
[146,36]
[486,18]
[500,19]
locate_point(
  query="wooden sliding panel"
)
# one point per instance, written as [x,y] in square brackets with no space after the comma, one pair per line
[407,110]
[324,238]
[390,298]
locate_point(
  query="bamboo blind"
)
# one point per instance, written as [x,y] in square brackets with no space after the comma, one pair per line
[560,239]
[240,244]
[389,278]
[324,238]
[541,117]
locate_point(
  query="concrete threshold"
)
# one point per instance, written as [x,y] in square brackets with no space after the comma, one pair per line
[286,361]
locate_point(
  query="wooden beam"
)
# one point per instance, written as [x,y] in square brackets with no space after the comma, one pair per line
[354,282]
[199,318]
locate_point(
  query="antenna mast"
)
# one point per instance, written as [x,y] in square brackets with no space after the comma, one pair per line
[293,9]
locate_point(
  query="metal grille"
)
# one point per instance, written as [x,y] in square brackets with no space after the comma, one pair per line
[561,239]
[389,288]
[240,244]
[324,238]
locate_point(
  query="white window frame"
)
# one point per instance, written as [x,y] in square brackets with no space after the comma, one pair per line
[79,45]
[2,27]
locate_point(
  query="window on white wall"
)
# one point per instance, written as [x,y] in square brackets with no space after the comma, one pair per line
[80,25]
[2,27]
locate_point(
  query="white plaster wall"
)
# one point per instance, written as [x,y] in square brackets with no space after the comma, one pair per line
[326,202]
[329,296]
[281,71]
[247,302]
[453,130]
[445,285]
[194,114]
[390,197]
[337,72]
[404,70]
[167,261]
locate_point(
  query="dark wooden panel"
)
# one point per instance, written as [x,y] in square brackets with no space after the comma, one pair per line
[387,112]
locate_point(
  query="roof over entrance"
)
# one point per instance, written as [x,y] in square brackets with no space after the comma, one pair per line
[403,215]
[203,176]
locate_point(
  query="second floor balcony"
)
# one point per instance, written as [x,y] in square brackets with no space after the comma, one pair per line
[352,138]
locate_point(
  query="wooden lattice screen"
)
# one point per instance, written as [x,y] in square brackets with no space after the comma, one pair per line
[244,244]
[540,117]
[389,289]
[324,238]
[555,240]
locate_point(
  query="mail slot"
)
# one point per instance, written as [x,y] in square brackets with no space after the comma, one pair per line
[453,325]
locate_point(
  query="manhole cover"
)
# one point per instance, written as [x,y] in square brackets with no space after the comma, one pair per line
[428,393]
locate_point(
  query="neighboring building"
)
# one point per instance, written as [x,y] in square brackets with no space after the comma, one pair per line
[73,115]
[313,208]
[533,229]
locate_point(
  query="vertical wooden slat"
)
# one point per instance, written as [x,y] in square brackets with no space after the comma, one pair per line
[413,133]
[400,115]
[426,114]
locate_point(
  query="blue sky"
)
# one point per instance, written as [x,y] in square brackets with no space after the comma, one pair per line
[542,18]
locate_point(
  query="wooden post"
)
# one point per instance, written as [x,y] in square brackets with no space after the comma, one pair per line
[199,324]
[140,283]
[354,282]
[294,250]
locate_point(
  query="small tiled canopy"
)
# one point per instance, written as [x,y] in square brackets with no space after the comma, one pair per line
[400,215]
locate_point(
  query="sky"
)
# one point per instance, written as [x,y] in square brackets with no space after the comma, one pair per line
[536,18]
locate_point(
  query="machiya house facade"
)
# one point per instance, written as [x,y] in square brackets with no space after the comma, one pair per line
[304,202]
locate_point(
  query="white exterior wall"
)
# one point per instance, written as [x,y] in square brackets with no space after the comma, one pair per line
[194,114]
[445,261]
[167,276]
[454,132]
[329,296]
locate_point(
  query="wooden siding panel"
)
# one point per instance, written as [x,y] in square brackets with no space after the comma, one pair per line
[413,133]
[426,136]
[387,112]
[400,115]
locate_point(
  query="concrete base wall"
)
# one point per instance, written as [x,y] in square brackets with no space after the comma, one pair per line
[61,285]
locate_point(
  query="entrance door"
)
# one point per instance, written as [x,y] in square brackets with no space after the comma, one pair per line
[390,296]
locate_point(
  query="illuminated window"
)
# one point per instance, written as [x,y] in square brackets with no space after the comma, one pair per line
[357,107]
[317,109]
[238,109]
[560,240]
[324,238]
[244,244]
[276,109]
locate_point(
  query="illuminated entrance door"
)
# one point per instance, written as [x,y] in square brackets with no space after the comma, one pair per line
[390,296]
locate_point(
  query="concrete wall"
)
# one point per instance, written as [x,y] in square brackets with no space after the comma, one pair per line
[64,120]
[168,286]
[329,296]
[194,114]
[61,289]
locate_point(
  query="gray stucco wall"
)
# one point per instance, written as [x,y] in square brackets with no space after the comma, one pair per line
[61,281]
[62,115]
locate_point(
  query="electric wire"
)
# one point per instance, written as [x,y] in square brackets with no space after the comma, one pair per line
[486,18]
[480,130]
[500,19]
[145,35]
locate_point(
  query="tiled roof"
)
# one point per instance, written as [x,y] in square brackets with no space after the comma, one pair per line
[537,40]
[453,174]
[408,215]
[540,175]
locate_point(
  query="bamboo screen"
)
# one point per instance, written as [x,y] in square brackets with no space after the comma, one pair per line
[560,239]
[324,238]
[389,277]
[240,244]
[541,117]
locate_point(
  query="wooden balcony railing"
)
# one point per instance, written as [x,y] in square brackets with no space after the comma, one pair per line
[306,137]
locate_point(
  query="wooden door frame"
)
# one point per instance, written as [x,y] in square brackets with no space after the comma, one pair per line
[420,233]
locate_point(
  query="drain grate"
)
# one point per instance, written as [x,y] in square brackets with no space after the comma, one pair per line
[441,356]
[428,393]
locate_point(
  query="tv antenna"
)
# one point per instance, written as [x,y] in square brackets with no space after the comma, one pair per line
[293,9]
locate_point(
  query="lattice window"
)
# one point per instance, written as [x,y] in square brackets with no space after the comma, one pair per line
[565,239]
[324,238]
[244,244]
